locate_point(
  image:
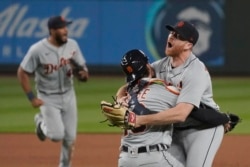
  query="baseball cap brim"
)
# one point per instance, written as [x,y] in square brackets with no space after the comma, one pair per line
[171,28]
[64,24]
[57,22]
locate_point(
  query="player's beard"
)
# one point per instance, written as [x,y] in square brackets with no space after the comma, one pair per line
[61,39]
[174,51]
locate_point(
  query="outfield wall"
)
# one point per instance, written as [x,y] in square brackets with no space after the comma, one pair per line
[106,29]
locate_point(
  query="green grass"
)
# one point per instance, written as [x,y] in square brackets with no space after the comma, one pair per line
[233,95]
[16,113]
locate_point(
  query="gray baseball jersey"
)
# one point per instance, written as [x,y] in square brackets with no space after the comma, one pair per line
[156,97]
[52,71]
[192,78]
[194,82]
[192,73]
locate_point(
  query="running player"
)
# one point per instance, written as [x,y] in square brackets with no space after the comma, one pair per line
[49,60]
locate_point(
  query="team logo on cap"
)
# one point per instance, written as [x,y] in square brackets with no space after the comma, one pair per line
[129,69]
[180,24]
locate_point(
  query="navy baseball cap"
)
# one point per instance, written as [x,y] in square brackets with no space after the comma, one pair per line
[186,30]
[57,22]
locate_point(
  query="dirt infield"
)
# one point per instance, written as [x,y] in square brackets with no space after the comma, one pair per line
[99,150]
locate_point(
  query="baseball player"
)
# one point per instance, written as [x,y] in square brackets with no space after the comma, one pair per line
[48,59]
[147,96]
[146,145]
[194,144]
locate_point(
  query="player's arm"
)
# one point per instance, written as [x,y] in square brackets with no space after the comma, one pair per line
[179,113]
[122,95]
[210,116]
[189,98]
[121,92]
[79,71]
[24,80]
[79,65]
[214,118]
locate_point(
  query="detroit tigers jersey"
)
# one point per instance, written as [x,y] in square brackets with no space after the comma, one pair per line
[156,97]
[193,80]
[52,70]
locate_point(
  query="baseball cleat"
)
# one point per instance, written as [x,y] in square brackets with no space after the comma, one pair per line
[40,133]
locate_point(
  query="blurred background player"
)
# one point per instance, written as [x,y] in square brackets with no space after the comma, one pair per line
[48,59]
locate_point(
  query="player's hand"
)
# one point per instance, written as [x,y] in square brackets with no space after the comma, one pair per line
[123,101]
[233,121]
[36,102]
[227,127]
[84,75]
[138,121]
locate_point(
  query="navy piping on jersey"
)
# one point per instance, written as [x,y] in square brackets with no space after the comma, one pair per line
[215,129]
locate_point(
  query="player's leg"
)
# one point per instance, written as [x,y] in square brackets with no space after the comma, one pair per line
[202,145]
[148,159]
[69,118]
[126,161]
[66,154]
[169,160]
[177,149]
[49,118]
[51,123]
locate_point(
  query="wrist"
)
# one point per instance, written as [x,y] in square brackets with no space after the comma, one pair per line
[30,95]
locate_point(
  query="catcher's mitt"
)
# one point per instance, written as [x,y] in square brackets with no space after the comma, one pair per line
[78,71]
[118,115]
[233,121]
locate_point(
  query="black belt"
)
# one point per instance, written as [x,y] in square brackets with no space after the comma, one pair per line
[151,148]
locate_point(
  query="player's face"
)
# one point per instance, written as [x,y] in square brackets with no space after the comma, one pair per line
[175,45]
[61,35]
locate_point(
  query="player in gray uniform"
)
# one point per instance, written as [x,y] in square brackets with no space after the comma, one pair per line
[146,146]
[147,95]
[48,59]
[194,143]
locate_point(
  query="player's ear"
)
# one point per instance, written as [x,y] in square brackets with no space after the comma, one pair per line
[188,46]
[151,72]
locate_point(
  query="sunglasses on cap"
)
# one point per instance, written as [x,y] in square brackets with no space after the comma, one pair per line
[177,36]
